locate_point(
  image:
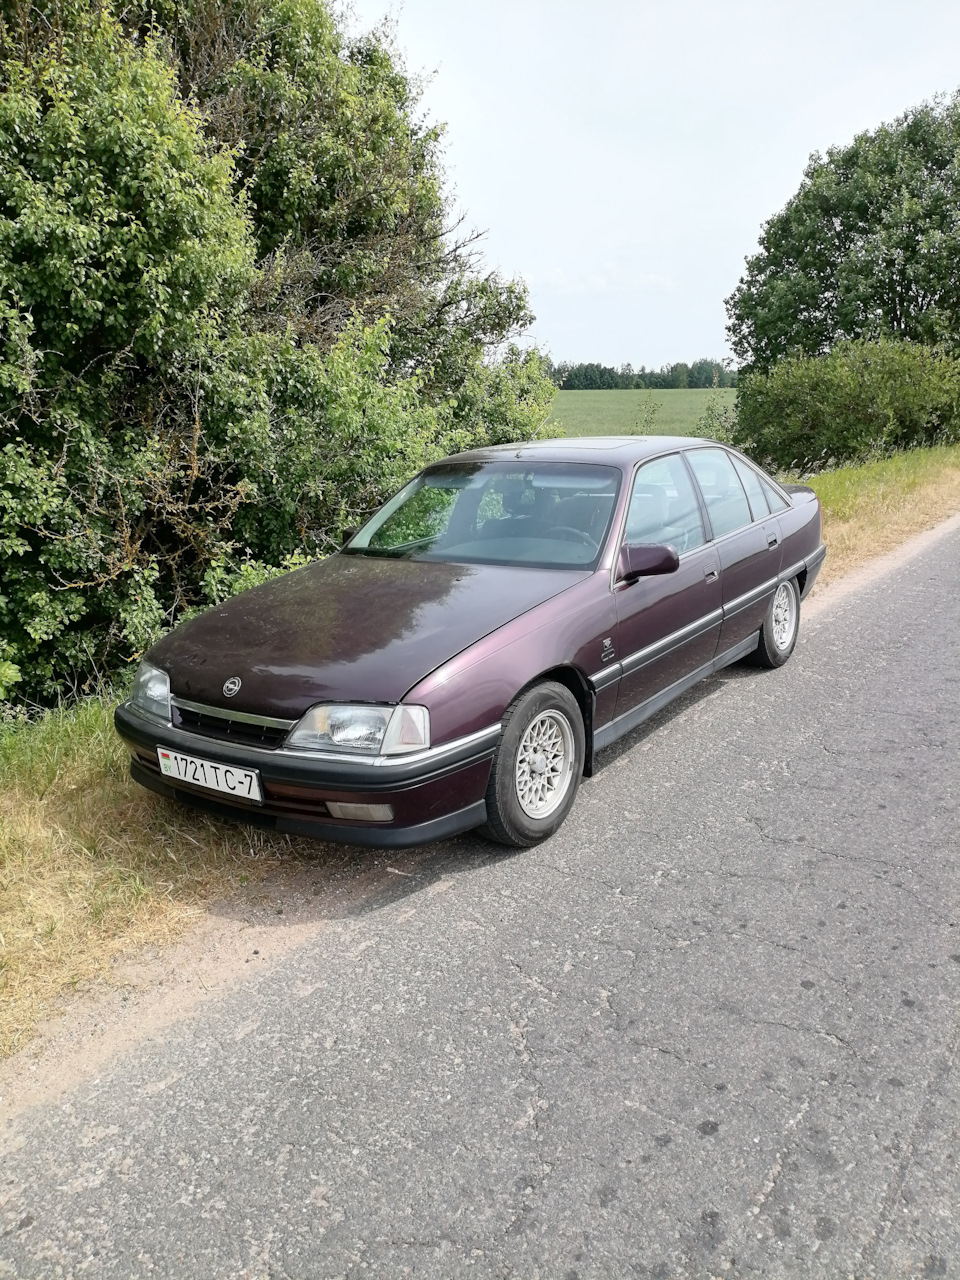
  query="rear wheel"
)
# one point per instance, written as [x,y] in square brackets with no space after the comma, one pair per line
[537,767]
[778,635]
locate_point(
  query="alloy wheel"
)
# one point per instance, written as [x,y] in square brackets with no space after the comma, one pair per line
[544,768]
[784,616]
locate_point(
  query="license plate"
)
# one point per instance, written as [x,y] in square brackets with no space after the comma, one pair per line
[228,778]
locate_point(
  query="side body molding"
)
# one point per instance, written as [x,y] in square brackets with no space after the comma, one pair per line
[605,734]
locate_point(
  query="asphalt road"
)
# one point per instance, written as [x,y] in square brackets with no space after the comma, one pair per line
[710,1029]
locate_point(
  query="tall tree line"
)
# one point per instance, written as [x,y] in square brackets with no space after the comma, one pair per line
[705,372]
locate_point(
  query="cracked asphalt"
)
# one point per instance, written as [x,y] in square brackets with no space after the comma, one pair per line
[710,1029]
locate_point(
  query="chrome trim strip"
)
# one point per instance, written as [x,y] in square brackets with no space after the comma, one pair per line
[787,574]
[816,556]
[642,656]
[631,719]
[242,717]
[606,676]
[749,597]
[431,754]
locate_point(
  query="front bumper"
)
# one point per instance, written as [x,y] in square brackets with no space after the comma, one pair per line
[434,794]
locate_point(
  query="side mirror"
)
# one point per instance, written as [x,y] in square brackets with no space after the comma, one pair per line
[347,535]
[646,560]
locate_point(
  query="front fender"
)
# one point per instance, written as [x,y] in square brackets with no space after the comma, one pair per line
[472,690]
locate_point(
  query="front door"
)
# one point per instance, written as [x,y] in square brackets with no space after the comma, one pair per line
[668,625]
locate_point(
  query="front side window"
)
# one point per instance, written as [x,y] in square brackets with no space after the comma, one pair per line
[722,491]
[549,515]
[663,506]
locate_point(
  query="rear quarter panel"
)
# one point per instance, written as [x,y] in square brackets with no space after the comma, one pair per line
[801,526]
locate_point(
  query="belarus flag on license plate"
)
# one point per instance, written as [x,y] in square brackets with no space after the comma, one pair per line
[227,778]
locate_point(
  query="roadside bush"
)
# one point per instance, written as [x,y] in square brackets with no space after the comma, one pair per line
[718,421]
[256,452]
[861,400]
[336,437]
[162,442]
[123,253]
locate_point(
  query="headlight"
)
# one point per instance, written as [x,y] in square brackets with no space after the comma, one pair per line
[366,730]
[151,692]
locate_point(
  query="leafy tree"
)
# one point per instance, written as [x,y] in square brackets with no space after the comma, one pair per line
[176,419]
[344,183]
[342,180]
[121,247]
[709,373]
[867,247]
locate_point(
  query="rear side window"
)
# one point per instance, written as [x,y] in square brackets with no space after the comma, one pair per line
[751,482]
[776,500]
[721,489]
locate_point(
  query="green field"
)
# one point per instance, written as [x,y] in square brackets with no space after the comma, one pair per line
[623,413]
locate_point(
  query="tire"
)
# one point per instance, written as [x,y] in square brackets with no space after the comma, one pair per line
[778,634]
[527,799]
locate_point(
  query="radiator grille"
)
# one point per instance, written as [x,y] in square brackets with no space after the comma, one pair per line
[243,732]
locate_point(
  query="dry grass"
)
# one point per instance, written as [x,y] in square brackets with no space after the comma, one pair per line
[871,509]
[91,864]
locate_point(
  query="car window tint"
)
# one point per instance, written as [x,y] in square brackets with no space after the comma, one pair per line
[663,506]
[554,515]
[425,515]
[722,491]
[751,482]
[776,500]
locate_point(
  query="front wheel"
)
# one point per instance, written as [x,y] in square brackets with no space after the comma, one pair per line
[537,767]
[778,635]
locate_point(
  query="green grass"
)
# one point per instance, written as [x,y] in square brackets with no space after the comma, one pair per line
[623,413]
[91,864]
[844,493]
[872,508]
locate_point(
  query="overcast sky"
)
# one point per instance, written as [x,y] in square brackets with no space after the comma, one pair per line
[622,156]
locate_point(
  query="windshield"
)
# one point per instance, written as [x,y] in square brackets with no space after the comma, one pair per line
[554,515]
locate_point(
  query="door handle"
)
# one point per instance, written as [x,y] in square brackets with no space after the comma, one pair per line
[772,540]
[711,575]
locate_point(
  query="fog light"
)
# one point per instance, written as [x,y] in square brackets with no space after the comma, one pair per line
[361,812]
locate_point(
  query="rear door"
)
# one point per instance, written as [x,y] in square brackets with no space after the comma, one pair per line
[746,536]
[668,625]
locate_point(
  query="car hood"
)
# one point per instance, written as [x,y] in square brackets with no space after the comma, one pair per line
[349,628]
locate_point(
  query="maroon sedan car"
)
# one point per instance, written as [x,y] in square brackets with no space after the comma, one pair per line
[508,614]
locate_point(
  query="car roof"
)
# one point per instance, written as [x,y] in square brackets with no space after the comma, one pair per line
[618,450]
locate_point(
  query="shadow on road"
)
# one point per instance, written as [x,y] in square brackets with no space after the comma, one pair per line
[699,693]
[317,881]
